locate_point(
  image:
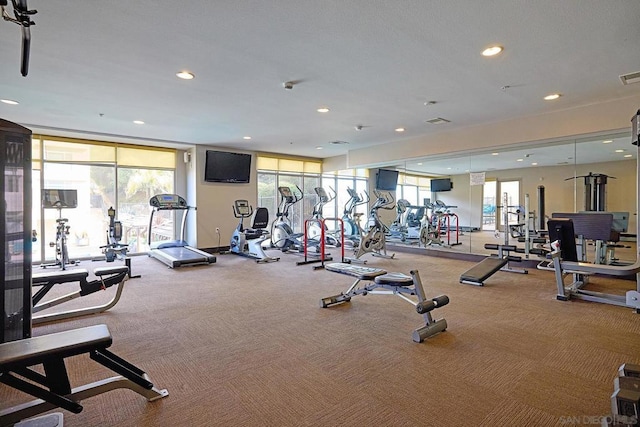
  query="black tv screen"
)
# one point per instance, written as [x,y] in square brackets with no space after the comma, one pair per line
[386,180]
[442,184]
[221,166]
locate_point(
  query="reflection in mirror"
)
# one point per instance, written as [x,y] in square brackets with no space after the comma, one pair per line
[505,196]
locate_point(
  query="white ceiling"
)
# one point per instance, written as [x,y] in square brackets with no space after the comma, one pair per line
[97,66]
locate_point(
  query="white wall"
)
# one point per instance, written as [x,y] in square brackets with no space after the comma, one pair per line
[215,200]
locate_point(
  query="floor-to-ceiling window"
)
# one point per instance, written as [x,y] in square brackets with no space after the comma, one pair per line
[102,175]
[339,183]
[299,176]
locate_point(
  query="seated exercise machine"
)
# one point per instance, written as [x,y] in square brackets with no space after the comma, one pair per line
[174,253]
[248,241]
[60,199]
[373,239]
[381,282]
[52,388]
[106,277]
[566,260]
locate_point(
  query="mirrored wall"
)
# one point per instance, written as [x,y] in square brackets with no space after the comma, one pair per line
[491,191]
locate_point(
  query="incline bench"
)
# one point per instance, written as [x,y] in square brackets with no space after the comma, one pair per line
[107,277]
[53,389]
[381,282]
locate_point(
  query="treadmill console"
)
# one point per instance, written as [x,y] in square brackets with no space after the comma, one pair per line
[168,202]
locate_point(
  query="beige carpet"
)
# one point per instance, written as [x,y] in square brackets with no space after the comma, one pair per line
[238,343]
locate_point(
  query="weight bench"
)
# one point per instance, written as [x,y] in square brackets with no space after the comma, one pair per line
[381,282]
[52,389]
[107,277]
[486,268]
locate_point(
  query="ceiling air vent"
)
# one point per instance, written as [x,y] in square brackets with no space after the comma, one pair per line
[338,142]
[627,79]
[438,121]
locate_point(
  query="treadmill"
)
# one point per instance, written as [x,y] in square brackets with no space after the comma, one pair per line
[174,253]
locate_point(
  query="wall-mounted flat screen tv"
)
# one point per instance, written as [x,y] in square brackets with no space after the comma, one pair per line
[386,180]
[221,166]
[441,184]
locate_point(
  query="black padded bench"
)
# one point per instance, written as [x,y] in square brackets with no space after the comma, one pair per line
[486,268]
[106,277]
[53,389]
[381,282]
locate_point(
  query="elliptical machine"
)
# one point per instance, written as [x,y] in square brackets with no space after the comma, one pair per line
[374,239]
[251,237]
[317,220]
[351,219]
[282,235]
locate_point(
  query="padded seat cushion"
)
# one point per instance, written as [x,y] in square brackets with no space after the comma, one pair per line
[362,273]
[103,271]
[397,279]
[61,276]
[33,351]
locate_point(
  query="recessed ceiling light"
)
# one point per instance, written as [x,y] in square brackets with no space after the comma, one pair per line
[322,110]
[552,96]
[620,151]
[608,141]
[520,160]
[495,154]
[448,169]
[246,137]
[419,164]
[534,164]
[628,155]
[318,148]
[185,75]
[138,122]
[492,51]
[9,101]
[399,129]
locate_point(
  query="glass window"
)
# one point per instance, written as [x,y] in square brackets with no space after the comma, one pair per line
[101,182]
[135,188]
[86,224]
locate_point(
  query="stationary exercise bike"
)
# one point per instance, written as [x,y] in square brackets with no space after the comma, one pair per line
[250,237]
[282,235]
[374,240]
[60,199]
